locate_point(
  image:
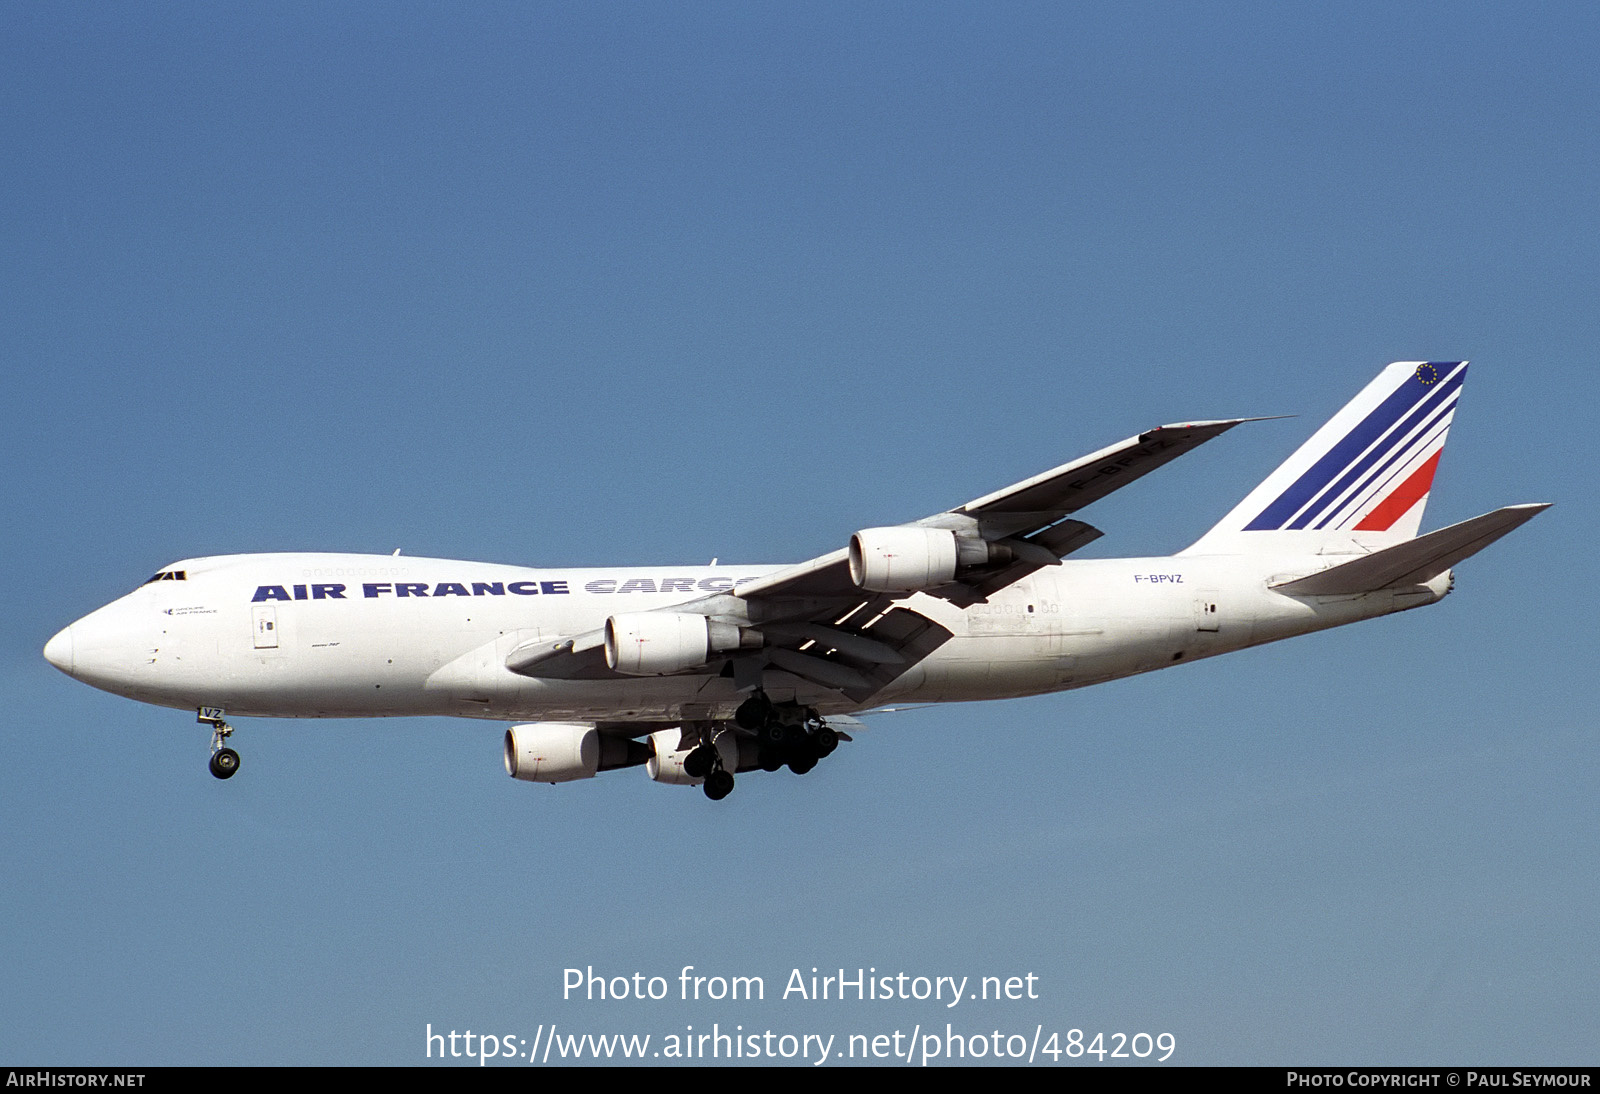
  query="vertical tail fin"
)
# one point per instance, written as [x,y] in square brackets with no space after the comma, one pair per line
[1361,481]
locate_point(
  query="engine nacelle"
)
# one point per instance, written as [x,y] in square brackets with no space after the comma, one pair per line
[552,752]
[656,643]
[903,559]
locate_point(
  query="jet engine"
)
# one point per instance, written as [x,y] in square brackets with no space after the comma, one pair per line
[559,752]
[910,558]
[552,752]
[903,559]
[658,643]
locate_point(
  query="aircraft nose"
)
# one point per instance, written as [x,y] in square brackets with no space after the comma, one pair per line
[58,651]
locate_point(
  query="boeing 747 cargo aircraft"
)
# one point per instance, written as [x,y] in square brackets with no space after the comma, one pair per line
[696,673]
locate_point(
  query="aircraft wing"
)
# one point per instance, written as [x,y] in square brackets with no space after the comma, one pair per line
[1029,517]
[816,622]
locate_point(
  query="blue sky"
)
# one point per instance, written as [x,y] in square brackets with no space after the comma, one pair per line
[602,284]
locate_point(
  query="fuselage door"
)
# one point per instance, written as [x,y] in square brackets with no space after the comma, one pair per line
[265,617]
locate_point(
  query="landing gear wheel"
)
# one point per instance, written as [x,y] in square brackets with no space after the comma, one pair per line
[224,762]
[698,762]
[719,784]
[803,762]
[825,741]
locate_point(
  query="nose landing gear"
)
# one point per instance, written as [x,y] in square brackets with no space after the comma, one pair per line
[224,761]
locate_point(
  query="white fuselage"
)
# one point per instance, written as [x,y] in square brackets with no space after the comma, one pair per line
[328,635]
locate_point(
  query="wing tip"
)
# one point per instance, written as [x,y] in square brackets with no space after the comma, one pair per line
[1219,425]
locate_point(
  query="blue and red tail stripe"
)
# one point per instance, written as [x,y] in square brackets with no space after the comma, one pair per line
[1365,461]
[1399,503]
[1392,458]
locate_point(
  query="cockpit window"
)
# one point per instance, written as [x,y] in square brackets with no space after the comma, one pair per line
[169,575]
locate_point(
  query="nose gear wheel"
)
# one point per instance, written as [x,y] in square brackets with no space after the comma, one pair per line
[224,761]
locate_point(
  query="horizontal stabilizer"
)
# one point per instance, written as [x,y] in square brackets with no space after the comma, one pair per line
[1416,560]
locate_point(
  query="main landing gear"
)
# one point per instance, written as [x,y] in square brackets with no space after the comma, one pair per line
[781,733]
[705,762]
[786,733]
[718,784]
[224,761]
